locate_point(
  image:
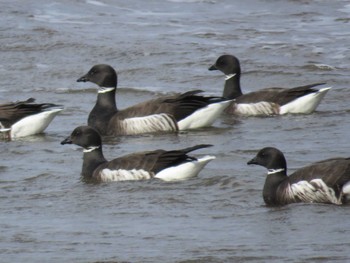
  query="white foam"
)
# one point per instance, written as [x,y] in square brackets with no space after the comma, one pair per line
[97,3]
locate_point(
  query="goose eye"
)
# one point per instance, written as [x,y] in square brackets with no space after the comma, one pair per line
[222,63]
[76,133]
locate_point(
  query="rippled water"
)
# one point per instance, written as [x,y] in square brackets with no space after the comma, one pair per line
[159,47]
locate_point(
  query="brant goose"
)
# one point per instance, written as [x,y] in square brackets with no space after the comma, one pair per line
[171,113]
[265,102]
[25,118]
[165,165]
[326,181]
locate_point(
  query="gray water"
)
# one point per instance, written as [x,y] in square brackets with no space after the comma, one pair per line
[160,47]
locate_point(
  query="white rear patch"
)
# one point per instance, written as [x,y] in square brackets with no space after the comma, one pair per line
[315,191]
[146,124]
[33,124]
[204,117]
[346,189]
[108,175]
[262,108]
[184,170]
[305,104]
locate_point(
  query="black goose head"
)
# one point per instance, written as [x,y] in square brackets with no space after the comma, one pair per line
[84,136]
[228,64]
[103,75]
[270,158]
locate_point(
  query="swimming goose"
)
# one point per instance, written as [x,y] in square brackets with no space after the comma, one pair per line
[266,102]
[168,114]
[25,118]
[165,165]
[326,181]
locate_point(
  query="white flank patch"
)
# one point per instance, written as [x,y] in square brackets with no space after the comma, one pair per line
[184,170]
[305,104]
[262,108]
[33,124]
[315,191]
[204,117]
[147,124]
[108,175]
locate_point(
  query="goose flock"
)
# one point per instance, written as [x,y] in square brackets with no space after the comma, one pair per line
[326,181]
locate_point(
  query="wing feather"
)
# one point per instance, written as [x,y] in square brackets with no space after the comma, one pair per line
[178,106]
[152,161]
[333,172]
[12,112]
[281,96]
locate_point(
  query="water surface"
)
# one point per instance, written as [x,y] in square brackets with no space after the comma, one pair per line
[161,47]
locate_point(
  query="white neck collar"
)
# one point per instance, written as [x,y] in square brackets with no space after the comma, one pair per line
[105,89]
[274,171]
[229,76]
[90,149]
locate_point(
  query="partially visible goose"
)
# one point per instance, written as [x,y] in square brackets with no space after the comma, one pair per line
[326,181]
[266,102]
[166,165]
[168,114]
[25,118]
